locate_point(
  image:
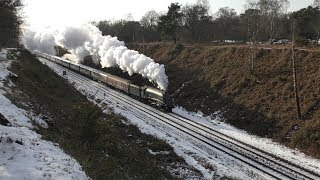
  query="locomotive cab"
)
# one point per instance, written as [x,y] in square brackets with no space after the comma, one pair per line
[163,100]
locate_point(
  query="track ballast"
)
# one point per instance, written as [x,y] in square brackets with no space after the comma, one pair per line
[269,164]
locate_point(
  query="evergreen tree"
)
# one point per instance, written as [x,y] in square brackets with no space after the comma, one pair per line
[10,22]
[170,23]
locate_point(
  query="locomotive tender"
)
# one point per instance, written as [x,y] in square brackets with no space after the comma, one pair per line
[144,93]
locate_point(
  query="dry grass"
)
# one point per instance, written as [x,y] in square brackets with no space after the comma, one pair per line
[101,143]
[261,102]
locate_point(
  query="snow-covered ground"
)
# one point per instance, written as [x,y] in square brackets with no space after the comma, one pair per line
[23,154]
[207,160]
[265,144]
[210,162]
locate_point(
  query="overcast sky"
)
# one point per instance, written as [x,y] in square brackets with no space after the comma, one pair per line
[40,13]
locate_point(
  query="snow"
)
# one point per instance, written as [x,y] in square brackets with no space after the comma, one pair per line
[40,122]
[3,55]
[214,121]
[23,154]
[160,152]
[210,162]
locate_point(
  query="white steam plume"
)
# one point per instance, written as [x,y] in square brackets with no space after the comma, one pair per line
[41,41]
[108,51]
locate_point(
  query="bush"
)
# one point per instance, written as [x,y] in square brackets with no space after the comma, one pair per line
[301,41]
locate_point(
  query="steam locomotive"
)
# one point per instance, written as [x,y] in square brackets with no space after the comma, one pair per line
[144,93]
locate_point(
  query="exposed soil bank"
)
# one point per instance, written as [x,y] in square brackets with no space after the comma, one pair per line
[218,78]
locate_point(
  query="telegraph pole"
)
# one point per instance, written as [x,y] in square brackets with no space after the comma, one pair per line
[294,75]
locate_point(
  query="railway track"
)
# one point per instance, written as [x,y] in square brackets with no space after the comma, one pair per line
[267,163]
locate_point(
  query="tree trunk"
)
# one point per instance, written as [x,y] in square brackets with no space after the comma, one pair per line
[252,58]
[143,44]
[174,38]
[193,34]
[271,28]
[254,48]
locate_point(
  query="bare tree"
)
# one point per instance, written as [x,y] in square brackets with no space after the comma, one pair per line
[252,21]
[226,12]
[316,3]
[225,20]
[270,11]
[277,8]
[193,16]
[150,19]
[149,24]
[204,3]
[128,17]
[251,18]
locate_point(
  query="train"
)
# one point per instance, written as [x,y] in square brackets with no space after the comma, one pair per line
[150,95]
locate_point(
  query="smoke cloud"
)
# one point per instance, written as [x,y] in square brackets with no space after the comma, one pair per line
[41,41]
[108,51]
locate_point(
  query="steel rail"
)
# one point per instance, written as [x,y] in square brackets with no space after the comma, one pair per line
[238,147]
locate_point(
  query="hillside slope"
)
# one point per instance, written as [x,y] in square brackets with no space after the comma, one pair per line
[104,143]
[212,78]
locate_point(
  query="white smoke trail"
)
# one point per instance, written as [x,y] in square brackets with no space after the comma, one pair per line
[41,41]
[87,40]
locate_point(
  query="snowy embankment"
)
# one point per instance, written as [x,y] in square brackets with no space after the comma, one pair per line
[23,154]
[210,162]
[214,121]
